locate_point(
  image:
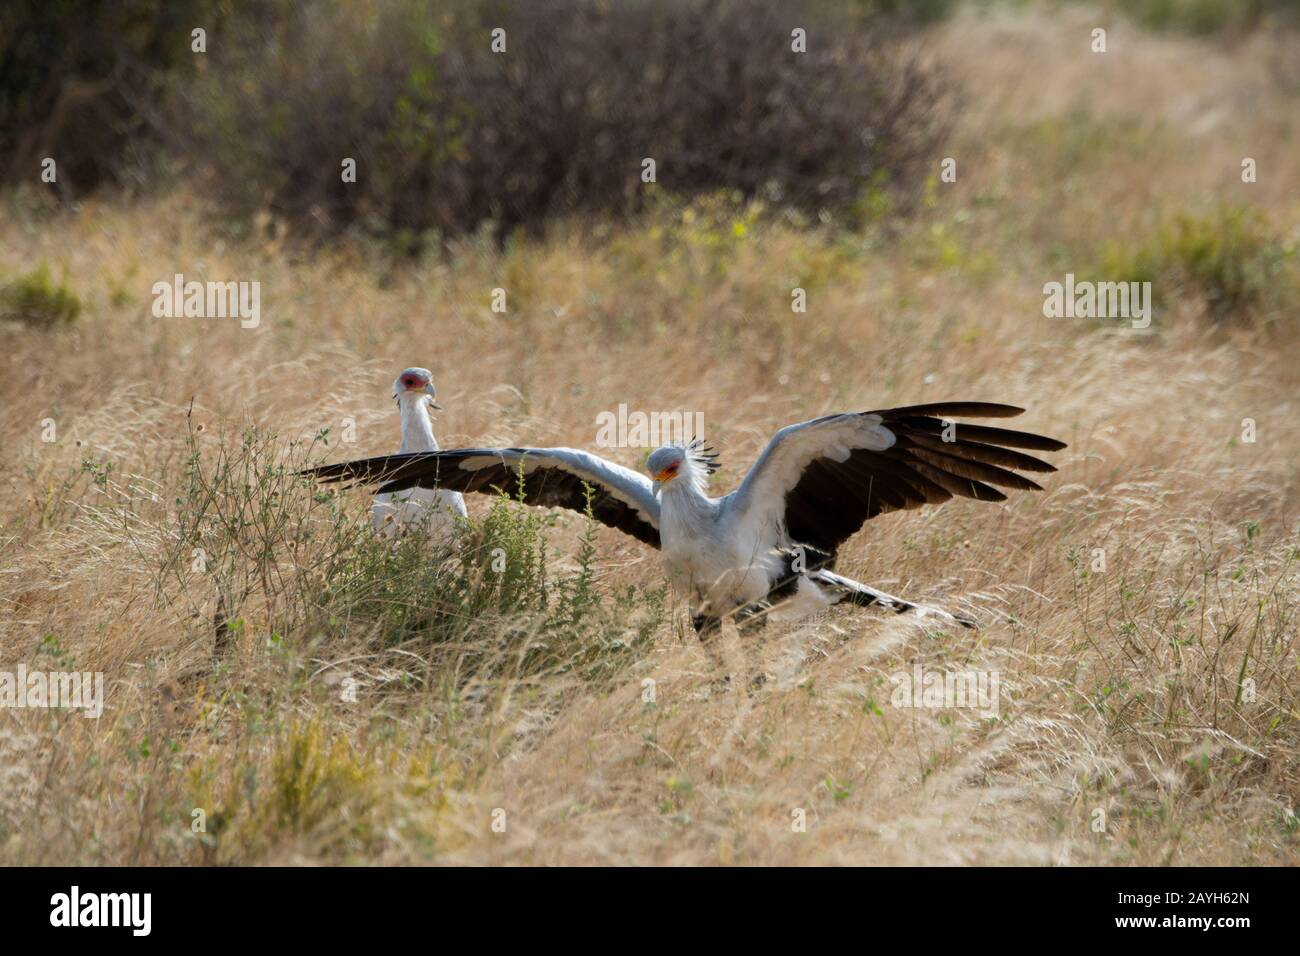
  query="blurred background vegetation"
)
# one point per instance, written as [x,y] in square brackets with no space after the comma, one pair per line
[449,136]
[451,139]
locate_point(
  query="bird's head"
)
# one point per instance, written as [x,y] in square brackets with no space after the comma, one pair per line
[666,463]
[694,461]
[415,384]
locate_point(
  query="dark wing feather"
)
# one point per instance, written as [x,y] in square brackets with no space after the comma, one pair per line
[824,478]
[551,478]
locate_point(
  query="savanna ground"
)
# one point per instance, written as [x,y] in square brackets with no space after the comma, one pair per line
[1160,690]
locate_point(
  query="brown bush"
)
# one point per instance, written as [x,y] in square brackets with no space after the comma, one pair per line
[449,136]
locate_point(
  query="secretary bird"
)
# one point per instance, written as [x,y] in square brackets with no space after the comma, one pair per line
[770,544]
[433,509]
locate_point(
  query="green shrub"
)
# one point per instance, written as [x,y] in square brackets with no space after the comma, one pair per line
[492,605]
[1231,259]
[38,300]
[246,530]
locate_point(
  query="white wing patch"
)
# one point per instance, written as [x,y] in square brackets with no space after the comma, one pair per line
[759,502]
[623,484]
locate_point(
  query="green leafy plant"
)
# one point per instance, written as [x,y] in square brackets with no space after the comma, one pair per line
[1230,259]
[39,300]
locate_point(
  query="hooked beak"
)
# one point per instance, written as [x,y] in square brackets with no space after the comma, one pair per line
[428,390]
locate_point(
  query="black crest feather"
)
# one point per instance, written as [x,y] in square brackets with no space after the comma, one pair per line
[703,454]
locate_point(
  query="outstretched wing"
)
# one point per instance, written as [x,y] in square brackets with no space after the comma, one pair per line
[820,480]
[551,478]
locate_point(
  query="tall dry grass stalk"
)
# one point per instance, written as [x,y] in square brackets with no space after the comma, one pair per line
[1157,695]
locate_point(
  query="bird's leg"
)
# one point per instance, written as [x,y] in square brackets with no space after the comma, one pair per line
[751,617]
[709,630]
[705,625]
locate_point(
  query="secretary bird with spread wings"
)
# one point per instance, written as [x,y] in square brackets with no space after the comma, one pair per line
[772,542]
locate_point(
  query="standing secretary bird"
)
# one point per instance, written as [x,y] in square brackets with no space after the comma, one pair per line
[433,509]
[771,543]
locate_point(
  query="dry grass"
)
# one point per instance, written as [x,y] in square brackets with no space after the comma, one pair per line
[1122,689]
